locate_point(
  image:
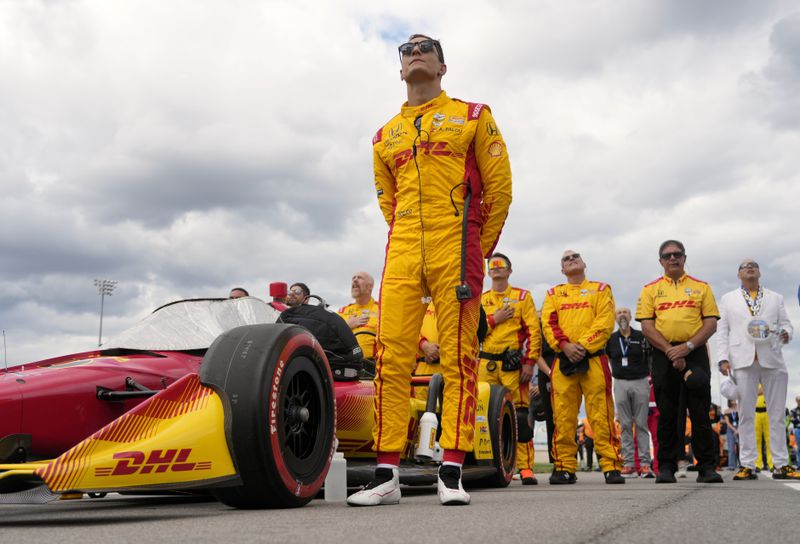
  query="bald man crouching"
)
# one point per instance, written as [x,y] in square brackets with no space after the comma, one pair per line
[362,315]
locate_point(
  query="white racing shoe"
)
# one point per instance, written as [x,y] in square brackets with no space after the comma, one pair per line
[449,486]
[383,489]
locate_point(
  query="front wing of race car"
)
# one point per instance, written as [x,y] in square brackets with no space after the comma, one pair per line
[174,440]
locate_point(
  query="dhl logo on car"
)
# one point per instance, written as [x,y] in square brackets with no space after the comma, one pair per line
[133,462]
[574,305]
[676,304]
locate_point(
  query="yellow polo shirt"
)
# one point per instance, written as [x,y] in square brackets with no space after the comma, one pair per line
[370,309]
[678,307]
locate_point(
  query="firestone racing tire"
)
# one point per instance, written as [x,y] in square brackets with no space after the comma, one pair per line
[503,434]
[277,390]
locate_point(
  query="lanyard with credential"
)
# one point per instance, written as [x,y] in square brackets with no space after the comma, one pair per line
[624,346]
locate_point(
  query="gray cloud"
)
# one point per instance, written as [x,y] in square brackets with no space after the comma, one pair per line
[182,150]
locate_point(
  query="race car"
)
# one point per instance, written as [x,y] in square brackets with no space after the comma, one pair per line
[209,395]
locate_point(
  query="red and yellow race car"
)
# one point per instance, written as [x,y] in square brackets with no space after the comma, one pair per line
[212,396]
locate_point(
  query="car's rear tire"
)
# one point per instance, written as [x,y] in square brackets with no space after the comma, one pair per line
[277,390]
[503,434]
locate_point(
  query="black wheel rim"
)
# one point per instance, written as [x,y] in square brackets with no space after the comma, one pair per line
[303,418]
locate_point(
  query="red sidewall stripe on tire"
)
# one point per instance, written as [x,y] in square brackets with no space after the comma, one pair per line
[299,489]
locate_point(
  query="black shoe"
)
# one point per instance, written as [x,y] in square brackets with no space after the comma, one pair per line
[709,477]
[666,477]
[559,477]
[614,477]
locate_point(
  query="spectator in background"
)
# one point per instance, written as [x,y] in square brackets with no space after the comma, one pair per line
[278,291]
[238,292]
[298,295]
[362,314]
[626,349]
[731,416]
[794,419]
[762,427]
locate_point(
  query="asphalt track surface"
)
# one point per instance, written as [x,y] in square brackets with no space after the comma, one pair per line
[590,511]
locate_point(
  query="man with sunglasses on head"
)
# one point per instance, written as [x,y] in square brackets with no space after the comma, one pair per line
[510,351]
[443,182]
[755,360]
[577,321]
[678,314]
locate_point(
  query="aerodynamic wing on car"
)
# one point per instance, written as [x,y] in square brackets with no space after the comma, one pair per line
[174,440]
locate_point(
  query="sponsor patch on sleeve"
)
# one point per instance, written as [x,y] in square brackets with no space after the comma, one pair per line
[474,110]
[378,136]
[495,149]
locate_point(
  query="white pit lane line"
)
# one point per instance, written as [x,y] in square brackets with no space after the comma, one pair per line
[795,486]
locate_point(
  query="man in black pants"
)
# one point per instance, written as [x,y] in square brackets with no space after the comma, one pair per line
[678,315]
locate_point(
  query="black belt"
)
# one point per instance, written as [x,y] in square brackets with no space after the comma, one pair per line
[491,356]
[761,410]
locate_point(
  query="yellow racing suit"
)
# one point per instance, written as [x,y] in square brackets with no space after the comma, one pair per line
[367,340]
[762,433]
[443,182]
[520,332]
[581,314]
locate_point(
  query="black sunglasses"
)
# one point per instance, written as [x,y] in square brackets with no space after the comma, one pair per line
[668,256]
[748,265]
[425,46]
[566,258]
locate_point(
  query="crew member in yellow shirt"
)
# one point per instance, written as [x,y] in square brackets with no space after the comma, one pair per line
[510,351]
[362,315]
[577,321]
[678,314]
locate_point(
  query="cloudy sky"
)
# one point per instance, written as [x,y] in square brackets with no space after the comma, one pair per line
[185,147]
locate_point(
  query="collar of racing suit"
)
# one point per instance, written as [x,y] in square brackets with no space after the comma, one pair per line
[414,111]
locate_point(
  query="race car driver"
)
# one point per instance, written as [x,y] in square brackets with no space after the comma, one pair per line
[510,351]
[577,320]
[443,183]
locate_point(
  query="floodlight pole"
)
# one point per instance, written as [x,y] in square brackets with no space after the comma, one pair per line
[104,287]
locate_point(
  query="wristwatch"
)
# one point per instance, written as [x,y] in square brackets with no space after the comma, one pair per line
[690,345]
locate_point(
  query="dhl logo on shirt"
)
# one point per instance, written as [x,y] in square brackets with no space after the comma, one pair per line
[132,462]
[676,304]
[428,148]
[574,305]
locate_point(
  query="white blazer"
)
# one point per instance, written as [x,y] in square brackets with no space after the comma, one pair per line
[733,343]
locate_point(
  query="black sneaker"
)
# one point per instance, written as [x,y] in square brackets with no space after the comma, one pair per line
[709,477]
[614,477]
[559,477]
[666,477]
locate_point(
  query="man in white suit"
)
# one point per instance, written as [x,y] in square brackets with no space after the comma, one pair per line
[752,329]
